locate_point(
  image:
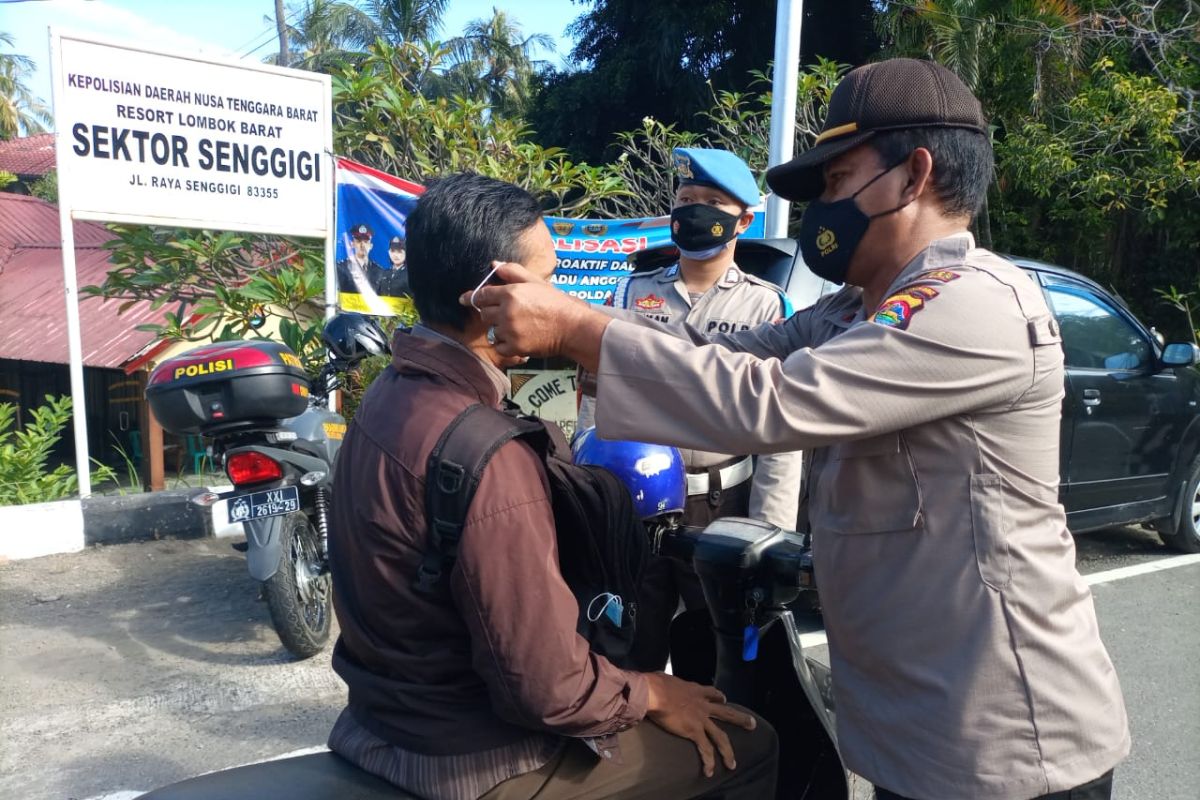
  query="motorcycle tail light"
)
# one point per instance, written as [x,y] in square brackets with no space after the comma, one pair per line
[251,467]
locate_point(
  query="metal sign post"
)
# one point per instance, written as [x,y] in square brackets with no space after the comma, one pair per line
[788,16]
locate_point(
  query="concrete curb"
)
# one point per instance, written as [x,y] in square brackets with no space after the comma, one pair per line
[68,526]
[138,517]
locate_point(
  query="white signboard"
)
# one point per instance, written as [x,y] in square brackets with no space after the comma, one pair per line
[549,394]
[171,140]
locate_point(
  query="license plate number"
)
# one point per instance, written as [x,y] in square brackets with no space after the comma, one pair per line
[270,503]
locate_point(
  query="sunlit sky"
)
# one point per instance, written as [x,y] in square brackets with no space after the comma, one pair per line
[228,28]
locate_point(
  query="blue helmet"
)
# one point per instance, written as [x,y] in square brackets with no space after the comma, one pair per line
[653,473]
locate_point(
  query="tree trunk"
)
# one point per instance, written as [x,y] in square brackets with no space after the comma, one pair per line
[282,26]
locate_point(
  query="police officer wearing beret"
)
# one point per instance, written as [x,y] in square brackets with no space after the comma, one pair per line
[966,655]
[708,291]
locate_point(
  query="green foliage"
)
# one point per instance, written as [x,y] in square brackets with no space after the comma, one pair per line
[6,179]
[21,113]
[1102,183]
[493,62]
[221,285]
[1188,303]
[736,121]
[25,474]
[1112,147]
[382,118]
[664,59]
[46,187]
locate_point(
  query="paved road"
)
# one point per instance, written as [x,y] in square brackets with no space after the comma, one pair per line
[132,666]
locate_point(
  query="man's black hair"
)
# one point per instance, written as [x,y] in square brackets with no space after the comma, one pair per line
[962,162]
[462,223]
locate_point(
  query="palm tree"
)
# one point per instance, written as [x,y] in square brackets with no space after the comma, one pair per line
[407,20]
[492,62]
[21,114]
[325,33]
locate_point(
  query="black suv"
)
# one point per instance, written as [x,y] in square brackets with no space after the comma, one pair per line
[1130,450]
[1131,415]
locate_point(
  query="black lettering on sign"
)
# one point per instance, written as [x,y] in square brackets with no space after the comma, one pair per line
[101,141]
[546,393]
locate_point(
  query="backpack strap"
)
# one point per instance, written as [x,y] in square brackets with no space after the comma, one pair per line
[452,474]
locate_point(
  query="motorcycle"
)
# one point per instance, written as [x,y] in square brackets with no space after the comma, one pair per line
[277,441]
[751,573]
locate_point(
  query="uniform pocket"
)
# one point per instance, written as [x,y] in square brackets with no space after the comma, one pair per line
[869,486]
[989,524]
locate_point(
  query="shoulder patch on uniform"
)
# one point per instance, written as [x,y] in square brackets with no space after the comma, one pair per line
[898,310]
[649,302]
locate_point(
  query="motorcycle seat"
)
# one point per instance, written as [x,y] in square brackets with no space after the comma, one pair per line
[318,776]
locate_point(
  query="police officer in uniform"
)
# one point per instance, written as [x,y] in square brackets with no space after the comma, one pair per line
[392,281]
[358,275]
[707,290]
[966,655]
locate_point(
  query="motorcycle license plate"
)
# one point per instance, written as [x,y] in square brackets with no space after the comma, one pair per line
[259,505]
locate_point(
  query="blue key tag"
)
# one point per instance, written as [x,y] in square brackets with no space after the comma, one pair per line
[614,610]
[750,643]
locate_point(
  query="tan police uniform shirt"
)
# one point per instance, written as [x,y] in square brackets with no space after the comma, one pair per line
[737,302]
[967,660]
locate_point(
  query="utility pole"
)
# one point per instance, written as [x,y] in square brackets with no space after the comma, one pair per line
[282,26]
[788,15]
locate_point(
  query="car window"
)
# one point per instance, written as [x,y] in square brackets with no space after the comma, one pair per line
[1095,335]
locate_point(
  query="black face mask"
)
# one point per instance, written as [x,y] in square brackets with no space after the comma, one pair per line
[831,232]
[702,231]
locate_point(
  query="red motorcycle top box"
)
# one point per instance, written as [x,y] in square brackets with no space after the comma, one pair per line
[226,384]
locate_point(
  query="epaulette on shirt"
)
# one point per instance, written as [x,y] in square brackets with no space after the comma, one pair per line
[785,303]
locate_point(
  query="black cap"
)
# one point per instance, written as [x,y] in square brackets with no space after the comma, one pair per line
[891,95]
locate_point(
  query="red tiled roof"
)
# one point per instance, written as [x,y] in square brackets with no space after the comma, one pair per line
[33,322]
[29,155]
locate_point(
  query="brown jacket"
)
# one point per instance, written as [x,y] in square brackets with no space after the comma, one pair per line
[967,659]
[497,655]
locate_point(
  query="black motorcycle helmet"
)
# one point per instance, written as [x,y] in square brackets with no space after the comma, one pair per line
[352,337]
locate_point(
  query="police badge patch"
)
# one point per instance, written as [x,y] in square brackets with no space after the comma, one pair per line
[898,310]
[650,302]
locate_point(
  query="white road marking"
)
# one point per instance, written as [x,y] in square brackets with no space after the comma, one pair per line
[1120,573]
[818,638]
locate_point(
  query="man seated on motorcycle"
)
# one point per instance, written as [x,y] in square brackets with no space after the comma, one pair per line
[486,689]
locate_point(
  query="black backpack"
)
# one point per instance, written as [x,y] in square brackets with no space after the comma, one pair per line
[603,548]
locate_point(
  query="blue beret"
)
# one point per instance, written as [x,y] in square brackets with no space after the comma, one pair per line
[719,168]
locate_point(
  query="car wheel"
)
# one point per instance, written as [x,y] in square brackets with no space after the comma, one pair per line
[1186,536]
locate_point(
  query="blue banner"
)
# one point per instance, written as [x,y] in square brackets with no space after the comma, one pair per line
[592,253]
[371,213]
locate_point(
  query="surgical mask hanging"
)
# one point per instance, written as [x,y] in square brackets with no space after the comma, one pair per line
[613,608]
[831,232]
[701,231]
